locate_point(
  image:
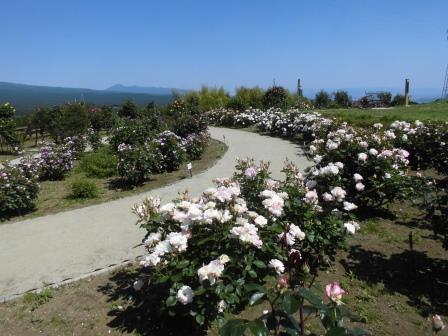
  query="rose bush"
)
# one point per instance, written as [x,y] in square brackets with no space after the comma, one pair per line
[204,252]
[19,188]
[171,152]
[195,145]
[55,162]
[136,163]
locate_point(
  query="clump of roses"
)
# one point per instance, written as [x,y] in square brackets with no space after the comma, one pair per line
[207,252]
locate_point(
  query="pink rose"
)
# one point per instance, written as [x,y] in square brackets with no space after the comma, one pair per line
[250,172]
[334,292]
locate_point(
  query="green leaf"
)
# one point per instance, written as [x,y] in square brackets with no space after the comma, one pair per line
[233,328]
[171,301]
[259,264]
[200,319]
[258,328]
[310,297]
[252,273]
[336,331]
[290,304]
[199,291]
[290,325]
[254,287]
[255,298]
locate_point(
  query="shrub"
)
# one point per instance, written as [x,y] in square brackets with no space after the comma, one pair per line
[206,99]
[189,122]
[399,100]
[7,124]
[276,97]
[128,110]
[101,164]
[75,119]
[195,145]
[76,145]
[246,98]
[55,162]
[170,150]
[322,99]
[385,97]
[342,99]
[131,132]
[206,253]
[102,118]
[84,189]
[94,138]
[136,163]
[18,190]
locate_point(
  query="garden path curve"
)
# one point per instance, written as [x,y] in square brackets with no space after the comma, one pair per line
[72,244]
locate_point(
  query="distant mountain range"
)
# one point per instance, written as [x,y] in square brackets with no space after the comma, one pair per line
[145,89]
[26,98]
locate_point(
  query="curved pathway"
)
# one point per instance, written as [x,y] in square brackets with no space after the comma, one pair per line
[72,244]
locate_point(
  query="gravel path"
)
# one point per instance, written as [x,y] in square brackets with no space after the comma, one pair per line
[72,244]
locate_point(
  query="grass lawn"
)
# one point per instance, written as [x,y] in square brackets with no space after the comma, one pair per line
[54,196]
[366,117]
[394,289]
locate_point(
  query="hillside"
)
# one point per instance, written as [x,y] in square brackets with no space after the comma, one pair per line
[145,89]
[27,97]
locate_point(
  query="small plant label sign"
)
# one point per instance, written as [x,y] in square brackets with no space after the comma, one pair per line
[190,167]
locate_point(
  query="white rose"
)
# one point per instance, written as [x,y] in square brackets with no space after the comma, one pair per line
[185,295]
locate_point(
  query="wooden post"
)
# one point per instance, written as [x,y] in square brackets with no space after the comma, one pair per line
[406,92]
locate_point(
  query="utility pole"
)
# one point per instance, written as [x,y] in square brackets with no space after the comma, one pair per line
[406,92]
[299,88]
[445,83]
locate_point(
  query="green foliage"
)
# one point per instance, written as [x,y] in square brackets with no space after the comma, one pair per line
[101,164]
[137,162]
[84,189]
[75,119]
[102,118]
[342,99]
[131,132]
[399,100]
[246,98]
[7,125]
[208,98]
[386,98]
[275,97]
[128,110]
[19,189]
[37,299]
[322,99]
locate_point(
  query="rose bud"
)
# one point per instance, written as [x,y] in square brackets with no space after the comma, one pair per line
[282,281]
[305,268]
[294,258]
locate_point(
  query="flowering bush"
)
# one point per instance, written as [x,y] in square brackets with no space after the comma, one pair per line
[195,145]
[55,162]
[94,138]
[18,189]
[171,152]
[132,132]
[76,145]
[204,252]
[360,166]
[136,163]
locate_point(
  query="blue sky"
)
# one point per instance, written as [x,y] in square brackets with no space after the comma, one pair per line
[184,44]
